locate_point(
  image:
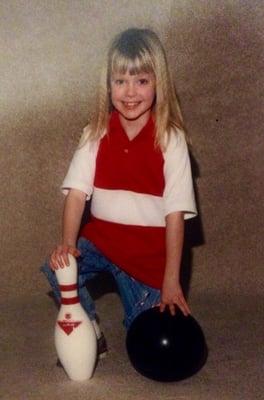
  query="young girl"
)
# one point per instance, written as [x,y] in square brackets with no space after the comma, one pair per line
[133,161]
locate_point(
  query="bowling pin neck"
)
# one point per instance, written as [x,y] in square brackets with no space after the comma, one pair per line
[68,274]
[69,294]
[67,279]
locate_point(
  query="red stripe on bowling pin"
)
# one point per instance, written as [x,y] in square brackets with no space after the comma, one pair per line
[68,288]
[70,300]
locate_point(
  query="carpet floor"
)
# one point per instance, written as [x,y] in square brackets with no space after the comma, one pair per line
[233,328]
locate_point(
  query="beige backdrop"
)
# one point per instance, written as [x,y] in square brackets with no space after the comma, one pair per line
[50,56]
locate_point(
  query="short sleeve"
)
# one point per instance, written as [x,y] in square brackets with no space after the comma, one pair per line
[178,194]
[81,172]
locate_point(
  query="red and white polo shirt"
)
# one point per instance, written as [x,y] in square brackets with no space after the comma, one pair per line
[133,187]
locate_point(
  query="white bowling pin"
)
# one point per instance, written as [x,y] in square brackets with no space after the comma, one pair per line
[75,338]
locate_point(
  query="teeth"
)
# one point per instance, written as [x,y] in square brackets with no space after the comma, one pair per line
[131,104]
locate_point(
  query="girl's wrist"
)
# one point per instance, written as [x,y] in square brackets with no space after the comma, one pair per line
[68,243]
[171,276]
[172,270]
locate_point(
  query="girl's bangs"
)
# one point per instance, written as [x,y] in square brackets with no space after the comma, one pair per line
[122,63]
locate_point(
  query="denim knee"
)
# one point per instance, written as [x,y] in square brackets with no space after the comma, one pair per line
[149,297]
[52,279]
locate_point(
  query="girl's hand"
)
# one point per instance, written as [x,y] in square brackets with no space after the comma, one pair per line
[59,256]
[171,296]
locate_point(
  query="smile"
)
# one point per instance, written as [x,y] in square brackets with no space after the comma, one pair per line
[131,104]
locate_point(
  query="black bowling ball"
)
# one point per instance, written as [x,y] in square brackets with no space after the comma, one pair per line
[166,348]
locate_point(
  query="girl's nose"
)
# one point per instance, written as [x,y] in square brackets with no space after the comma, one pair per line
[131,89]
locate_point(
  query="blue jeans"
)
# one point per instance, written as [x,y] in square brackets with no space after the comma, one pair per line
[136,297]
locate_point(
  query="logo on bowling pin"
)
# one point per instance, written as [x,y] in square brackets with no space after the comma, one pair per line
[68,326]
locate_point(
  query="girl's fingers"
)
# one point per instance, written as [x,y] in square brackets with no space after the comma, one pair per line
[55,259]
[65,259]
[74,252]
[185,308]
[53,263]
[162,307]
[182,305]
[59,257]
[59,260]
[172,309]
[184,311]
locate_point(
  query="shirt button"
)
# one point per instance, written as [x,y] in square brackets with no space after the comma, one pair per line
[126,150]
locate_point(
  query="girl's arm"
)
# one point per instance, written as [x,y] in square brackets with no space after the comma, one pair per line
[171,293]
[72,215]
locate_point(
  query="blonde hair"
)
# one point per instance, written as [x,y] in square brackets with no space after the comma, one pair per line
[138,50]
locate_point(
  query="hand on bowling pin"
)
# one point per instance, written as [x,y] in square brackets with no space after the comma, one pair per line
[59,257]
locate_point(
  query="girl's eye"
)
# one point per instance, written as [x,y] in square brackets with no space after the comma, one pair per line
[119,81]
[143,81]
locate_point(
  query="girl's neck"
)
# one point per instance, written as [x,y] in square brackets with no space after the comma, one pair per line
[133,127]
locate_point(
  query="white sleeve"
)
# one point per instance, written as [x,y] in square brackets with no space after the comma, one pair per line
[82,169]
[178,194]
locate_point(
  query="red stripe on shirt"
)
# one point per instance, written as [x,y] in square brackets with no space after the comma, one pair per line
[138,250]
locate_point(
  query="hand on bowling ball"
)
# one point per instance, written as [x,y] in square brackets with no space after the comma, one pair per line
[172,296]
[59,256]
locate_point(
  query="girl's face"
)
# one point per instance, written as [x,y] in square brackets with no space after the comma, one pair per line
[133,95]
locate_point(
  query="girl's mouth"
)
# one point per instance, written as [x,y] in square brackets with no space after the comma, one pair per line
[131,104]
